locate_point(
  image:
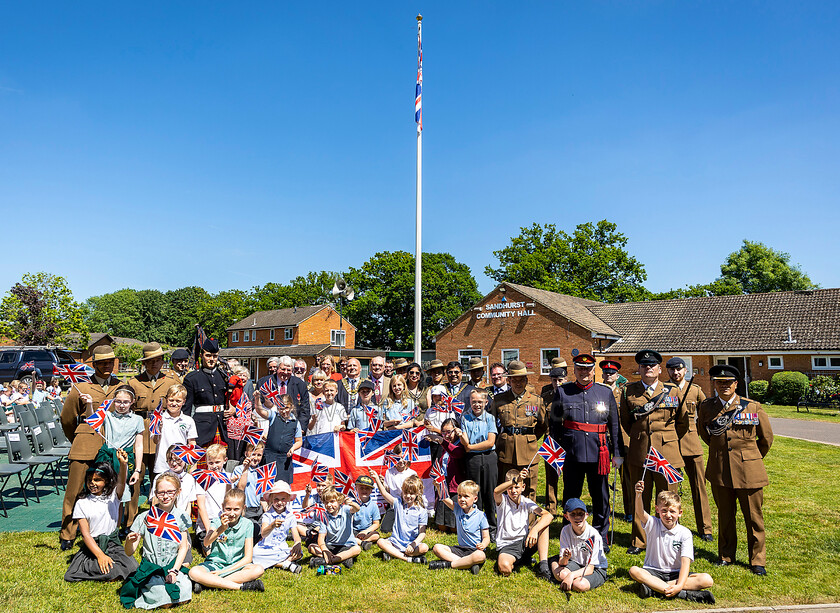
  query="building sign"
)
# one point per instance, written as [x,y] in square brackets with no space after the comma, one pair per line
[505,309]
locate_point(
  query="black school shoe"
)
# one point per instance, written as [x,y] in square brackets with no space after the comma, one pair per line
[758,570]
[634,551]
[348,563]
[316,561]
[439,564]
[253,586]
[366,545]
[421,559]
[475,569]
[704,596]
[645,591]
[543,571]
[66,545]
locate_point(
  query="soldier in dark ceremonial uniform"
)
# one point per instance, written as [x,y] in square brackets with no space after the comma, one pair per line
[609,371]
[206,399]
[739,435]
[82,400]
[584,421]
[650,412]
[521,421]
[558,376]
[691,395]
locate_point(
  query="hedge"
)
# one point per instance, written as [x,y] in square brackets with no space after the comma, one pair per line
[787,387]
[758,390]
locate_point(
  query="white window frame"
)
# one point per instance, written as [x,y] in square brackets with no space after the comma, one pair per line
[289,334]
[338,338]
[545,370]
[234,337]
[828,359]
[253,336]
[271,334]
[464,356]
[246,336]
[781,359]
[508,361]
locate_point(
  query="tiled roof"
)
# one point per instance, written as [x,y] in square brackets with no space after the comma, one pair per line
[295,351]
[752,322]
[577,310]
[279,318]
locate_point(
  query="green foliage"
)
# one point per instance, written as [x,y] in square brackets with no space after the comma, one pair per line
[757,390]
[787,387]
[591,263]
[41,310]
[222,310]
[757,268]
[824,386]
[116,313]
[184,307]
[312,289]
[383,310]
[128,353]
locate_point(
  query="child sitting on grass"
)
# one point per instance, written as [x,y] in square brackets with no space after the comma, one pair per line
[278,523]
[581,565]
[515,542]
[410,520]
[366,519]
[473,533]
[216,458]
[231,544]
[336,544]
[669,553]
[308,526]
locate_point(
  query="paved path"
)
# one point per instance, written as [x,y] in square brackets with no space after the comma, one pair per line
[810,608]
[816,431]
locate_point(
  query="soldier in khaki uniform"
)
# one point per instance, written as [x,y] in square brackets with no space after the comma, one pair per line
[739,435]
[521,418]
[691,450]
[150,386]
[650,413]
[609,372]
[179,361]
[81,401]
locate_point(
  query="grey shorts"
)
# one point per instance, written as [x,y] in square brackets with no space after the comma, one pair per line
[665,575]
[596,579]
[519,550]
[463,552]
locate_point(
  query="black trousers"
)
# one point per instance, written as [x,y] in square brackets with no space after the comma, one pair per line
[573,475]
[483,468]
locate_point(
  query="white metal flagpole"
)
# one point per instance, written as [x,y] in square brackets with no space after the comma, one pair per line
[418,252]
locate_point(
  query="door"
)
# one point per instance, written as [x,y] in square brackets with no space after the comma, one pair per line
[741,363]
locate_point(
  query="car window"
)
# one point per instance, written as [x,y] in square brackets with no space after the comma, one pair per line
[41,356]
[8,357]
[64,357]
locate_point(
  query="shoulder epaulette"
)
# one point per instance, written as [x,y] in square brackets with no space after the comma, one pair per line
[603,385]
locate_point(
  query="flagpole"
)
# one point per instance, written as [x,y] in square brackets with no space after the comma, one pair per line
[418,253]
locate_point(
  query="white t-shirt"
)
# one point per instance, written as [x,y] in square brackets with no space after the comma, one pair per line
[328,418]
[512,520]
[666,547]
[579,546]
[101,513]
[190,491]
[173,431]
[394,480]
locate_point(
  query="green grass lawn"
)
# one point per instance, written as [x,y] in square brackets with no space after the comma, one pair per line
[829,415]
[803,543]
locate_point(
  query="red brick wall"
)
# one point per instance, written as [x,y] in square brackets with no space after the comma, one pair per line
[312,331]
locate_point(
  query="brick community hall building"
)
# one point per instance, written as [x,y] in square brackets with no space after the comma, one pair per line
[759,333]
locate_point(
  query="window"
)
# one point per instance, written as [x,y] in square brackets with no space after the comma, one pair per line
[246,336]
[254,336]
[509,355]
[8,357]
[546,355]
[775,362]
[825,362]
[464,356]
[289,333]
[337,337]
[234,337]
[271,334]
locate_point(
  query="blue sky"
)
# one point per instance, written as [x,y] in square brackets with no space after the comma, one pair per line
[279,137]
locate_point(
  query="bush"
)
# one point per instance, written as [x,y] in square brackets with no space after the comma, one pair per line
[824,387]
[757,390]
[787,387]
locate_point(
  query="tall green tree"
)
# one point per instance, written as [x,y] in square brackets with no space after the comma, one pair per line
[756,268]
[383,309]
[184,307]
[591,263]
[40,309]
[313,288]
[222,310]
[116,313]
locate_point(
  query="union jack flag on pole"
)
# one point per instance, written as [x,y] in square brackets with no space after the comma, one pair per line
[97,419]
[317,512]
[319,473]
[438,473]
[189,454]
[657,463]
[452,405]
[243,405]
[269,391]
[552,453]
[156,420]
[410,446]
[74,373]
[344,483]
[163,525]
[206,478]
[252,434]
[265,477]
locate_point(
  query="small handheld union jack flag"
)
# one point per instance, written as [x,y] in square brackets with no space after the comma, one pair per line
[438,473]
[344,483]
[269,391]
[372,415]
[206,478]
[319,473]
[189,454]
[163,524]
[75,373]
[452,405]
[28,366]
[552,453]
[391,458]
[319,404]
[156,420]
[265,477]
[243,405]
[410,447]
[317,512]
[97,420]
[252,434]
[657,463]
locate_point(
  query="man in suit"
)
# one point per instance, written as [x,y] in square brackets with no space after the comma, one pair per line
[348,387]
[82,400]
[150,386]
[381,383]
[206,399]
[521,420]
[295,387]
[651,414]
[498,380]
[690,448]
[739,435]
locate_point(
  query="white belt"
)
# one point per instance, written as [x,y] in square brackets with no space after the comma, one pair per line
[209,408]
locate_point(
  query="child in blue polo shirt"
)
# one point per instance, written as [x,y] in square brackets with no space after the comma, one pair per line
[366,519]
[336,544]
[473,533]
[478,437]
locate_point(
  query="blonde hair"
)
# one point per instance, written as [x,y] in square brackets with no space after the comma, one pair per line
[509,475]
[468,487]
[331,383]
[216,451]
[172,478]
[404,396]
[414,486]
[667,498]
[331,494]
[176,389]
[235,494]
[251,447]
